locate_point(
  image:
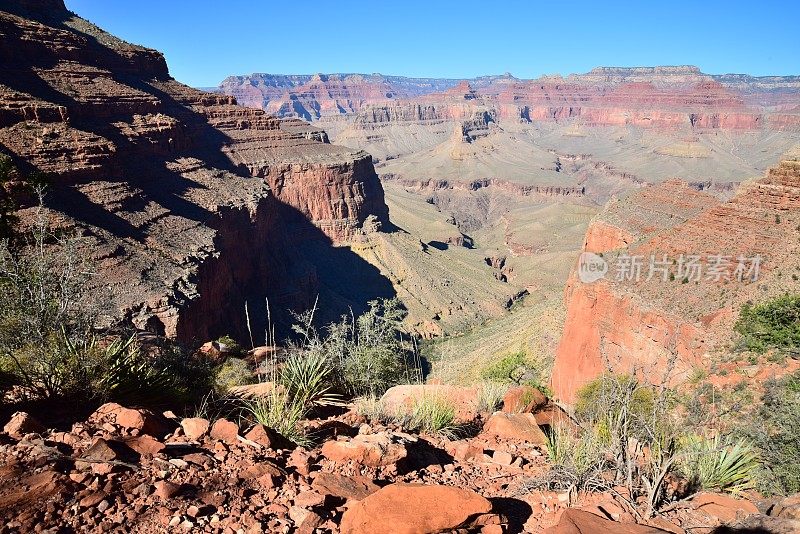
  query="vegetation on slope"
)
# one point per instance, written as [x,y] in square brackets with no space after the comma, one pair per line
[774,324]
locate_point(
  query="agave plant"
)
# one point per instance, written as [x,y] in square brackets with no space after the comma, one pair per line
[308,376]
[720,464]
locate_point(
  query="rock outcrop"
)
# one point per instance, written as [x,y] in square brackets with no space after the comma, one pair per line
[189,204]
[664,327]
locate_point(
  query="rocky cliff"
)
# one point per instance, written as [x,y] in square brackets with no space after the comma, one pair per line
[665,97]
[189,204]
[670,325]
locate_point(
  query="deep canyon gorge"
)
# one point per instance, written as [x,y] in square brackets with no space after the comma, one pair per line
[222,213]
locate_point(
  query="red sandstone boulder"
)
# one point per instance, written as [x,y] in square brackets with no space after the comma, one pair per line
[555,417]
[144,445]
[414,508]
[372,450]
[226,431]
[581,522]
[195,428]
[22,423]
[515,426]
[464,450]
[525,399]
[723,507]
[103,451]
[349,488]
[266,437]
[131,420]
[788,508]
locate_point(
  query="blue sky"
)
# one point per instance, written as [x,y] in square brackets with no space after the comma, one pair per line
[205,41]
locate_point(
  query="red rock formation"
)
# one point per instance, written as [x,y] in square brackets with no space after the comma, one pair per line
[662,97]
[189,203]
[660,327]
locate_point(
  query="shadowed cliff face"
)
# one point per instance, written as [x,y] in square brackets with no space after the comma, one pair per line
[189,204]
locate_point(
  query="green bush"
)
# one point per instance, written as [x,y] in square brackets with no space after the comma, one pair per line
[234,372]
[369,354]
[42,311]
[48,345]
[774,429]
[509,368]
[771,325]
[605,397]
[230,344]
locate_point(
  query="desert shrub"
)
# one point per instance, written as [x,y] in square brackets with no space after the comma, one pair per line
[633,422]
[433,414]
[230,344]
[369,354]
[281,412]
[48,345]
[490,396]
[719,464]
[42,311]
[771,325]
[510,368]
[516,368]
[774,429]
[234,372]
[607,397]
[13,183]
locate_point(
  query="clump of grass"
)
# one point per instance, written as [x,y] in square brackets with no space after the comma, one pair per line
[433,414]
[371,407]
[580,453]
[490,396]
[281,412]
[717,464]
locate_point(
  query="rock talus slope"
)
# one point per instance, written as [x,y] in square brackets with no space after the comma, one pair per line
[188,204]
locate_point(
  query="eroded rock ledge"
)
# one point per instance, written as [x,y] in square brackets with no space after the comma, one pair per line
[189,204]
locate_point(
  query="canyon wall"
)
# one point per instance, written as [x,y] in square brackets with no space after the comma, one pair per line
[665,328]
[656,97]
[188,204]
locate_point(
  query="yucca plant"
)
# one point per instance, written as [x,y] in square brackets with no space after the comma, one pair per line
[719,464]
[308,376]
[127,376]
